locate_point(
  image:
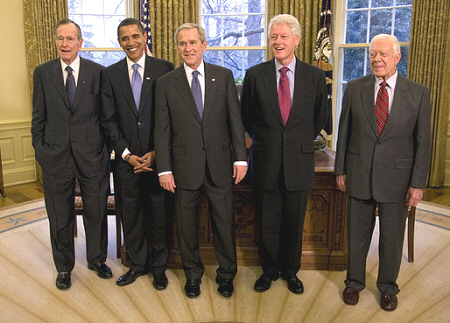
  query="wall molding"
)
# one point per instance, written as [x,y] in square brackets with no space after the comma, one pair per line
[18,160]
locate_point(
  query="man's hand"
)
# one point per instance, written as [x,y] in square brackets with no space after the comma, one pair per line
[341,181]
[239,172]
[167,182]
[142,164]
[414,196]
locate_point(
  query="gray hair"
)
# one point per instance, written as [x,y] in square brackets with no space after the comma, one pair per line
[190,25]
[392,38]
[66,21]
[289,20]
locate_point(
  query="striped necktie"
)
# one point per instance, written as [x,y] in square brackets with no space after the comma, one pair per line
[382,107]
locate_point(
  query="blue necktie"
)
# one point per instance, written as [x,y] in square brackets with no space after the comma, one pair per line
[197,93]
[136,84]
[70,87]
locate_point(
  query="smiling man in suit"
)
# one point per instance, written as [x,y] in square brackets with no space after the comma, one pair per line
[284,107]
[382,160]
[69,145]
[198,136]
[128,123]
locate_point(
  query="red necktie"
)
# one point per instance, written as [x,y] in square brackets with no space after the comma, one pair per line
[284,95]
[382,107]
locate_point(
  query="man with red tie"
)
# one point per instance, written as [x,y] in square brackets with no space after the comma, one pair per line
[284,107]
[382,160]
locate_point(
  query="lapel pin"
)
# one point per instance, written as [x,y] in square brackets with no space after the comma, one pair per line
[148,78]
[213,80]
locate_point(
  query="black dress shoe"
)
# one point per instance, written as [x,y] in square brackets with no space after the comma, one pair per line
[63,280]
[226,287]
[295,285]
[388,301]
[192,288]
[103,271]
[351,296]
[129,277]
[263,283]
[160,281]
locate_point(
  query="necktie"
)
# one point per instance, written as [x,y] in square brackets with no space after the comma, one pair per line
[197,93]
[284,95]
[70,87]
[136,84]
[382,107]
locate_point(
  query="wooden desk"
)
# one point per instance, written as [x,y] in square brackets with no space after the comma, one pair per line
[324,237]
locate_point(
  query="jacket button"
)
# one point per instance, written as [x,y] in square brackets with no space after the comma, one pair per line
[139,123]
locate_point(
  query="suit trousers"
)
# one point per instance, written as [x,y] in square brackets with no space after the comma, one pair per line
[222,224]
[360,226]
[59,192]
[144,209]
[281,215]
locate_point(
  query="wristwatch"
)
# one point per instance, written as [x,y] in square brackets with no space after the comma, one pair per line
[127,157]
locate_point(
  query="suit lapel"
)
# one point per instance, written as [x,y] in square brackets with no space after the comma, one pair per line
[124,80]
[146,83]
[84,78]
[398,105]
[367,97]
[182,86]
[301,89]
[58,81]
[270,84]
[210,91]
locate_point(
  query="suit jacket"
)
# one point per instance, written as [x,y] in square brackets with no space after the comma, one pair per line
[383,167]
[186,144]
[277,149]
[123,124]
[56,131]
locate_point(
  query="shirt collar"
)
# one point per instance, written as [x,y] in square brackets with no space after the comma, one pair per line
[291,65]
[391,82]
[75,65]
[140,62]
[200,69]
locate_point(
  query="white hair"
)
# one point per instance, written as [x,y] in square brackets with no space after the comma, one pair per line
[392,38]
[289,20]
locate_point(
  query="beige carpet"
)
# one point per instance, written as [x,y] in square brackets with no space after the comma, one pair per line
[28,293]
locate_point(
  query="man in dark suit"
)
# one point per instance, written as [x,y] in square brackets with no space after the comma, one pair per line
[284,107]
[128,123]
[196,145]
[69,145]
[382,160]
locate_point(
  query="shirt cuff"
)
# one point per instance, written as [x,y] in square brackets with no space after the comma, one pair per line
[125,152]
[164,173]
[240,163]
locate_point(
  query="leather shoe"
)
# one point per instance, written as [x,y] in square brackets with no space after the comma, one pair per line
[263,283]
[103,271]
[129,277]
[351,296]
[192,288]
[226,287]
[388,301]
[63,280]
[160,281]
[295,285]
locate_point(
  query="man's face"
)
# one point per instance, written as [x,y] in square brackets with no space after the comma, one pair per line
[190,47]
[283,43]
[383,60]
[67,42]
[132,41]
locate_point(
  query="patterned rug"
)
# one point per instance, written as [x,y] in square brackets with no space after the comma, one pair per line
[24,215]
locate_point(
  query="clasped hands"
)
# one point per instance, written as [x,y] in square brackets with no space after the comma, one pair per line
[143,163]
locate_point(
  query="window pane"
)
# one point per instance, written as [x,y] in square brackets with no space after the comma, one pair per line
[98,57]
[233,28]
[254,6]
[253,57]
[213,57]
[94,31]
[404,2]
[230,7]
[211,6]
[354,4]
[382,3]
[114,7]
[92,7]
[232,59]
[74,6]
[353,63]
[213,27]
[254,31]
[111,23]
[402,25]
[380,22]
[356,27]
[402,66]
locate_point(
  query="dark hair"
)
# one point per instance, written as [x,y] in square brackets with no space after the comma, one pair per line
[66,21]
[129,22]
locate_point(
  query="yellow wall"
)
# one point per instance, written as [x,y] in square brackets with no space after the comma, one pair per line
[15,103]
